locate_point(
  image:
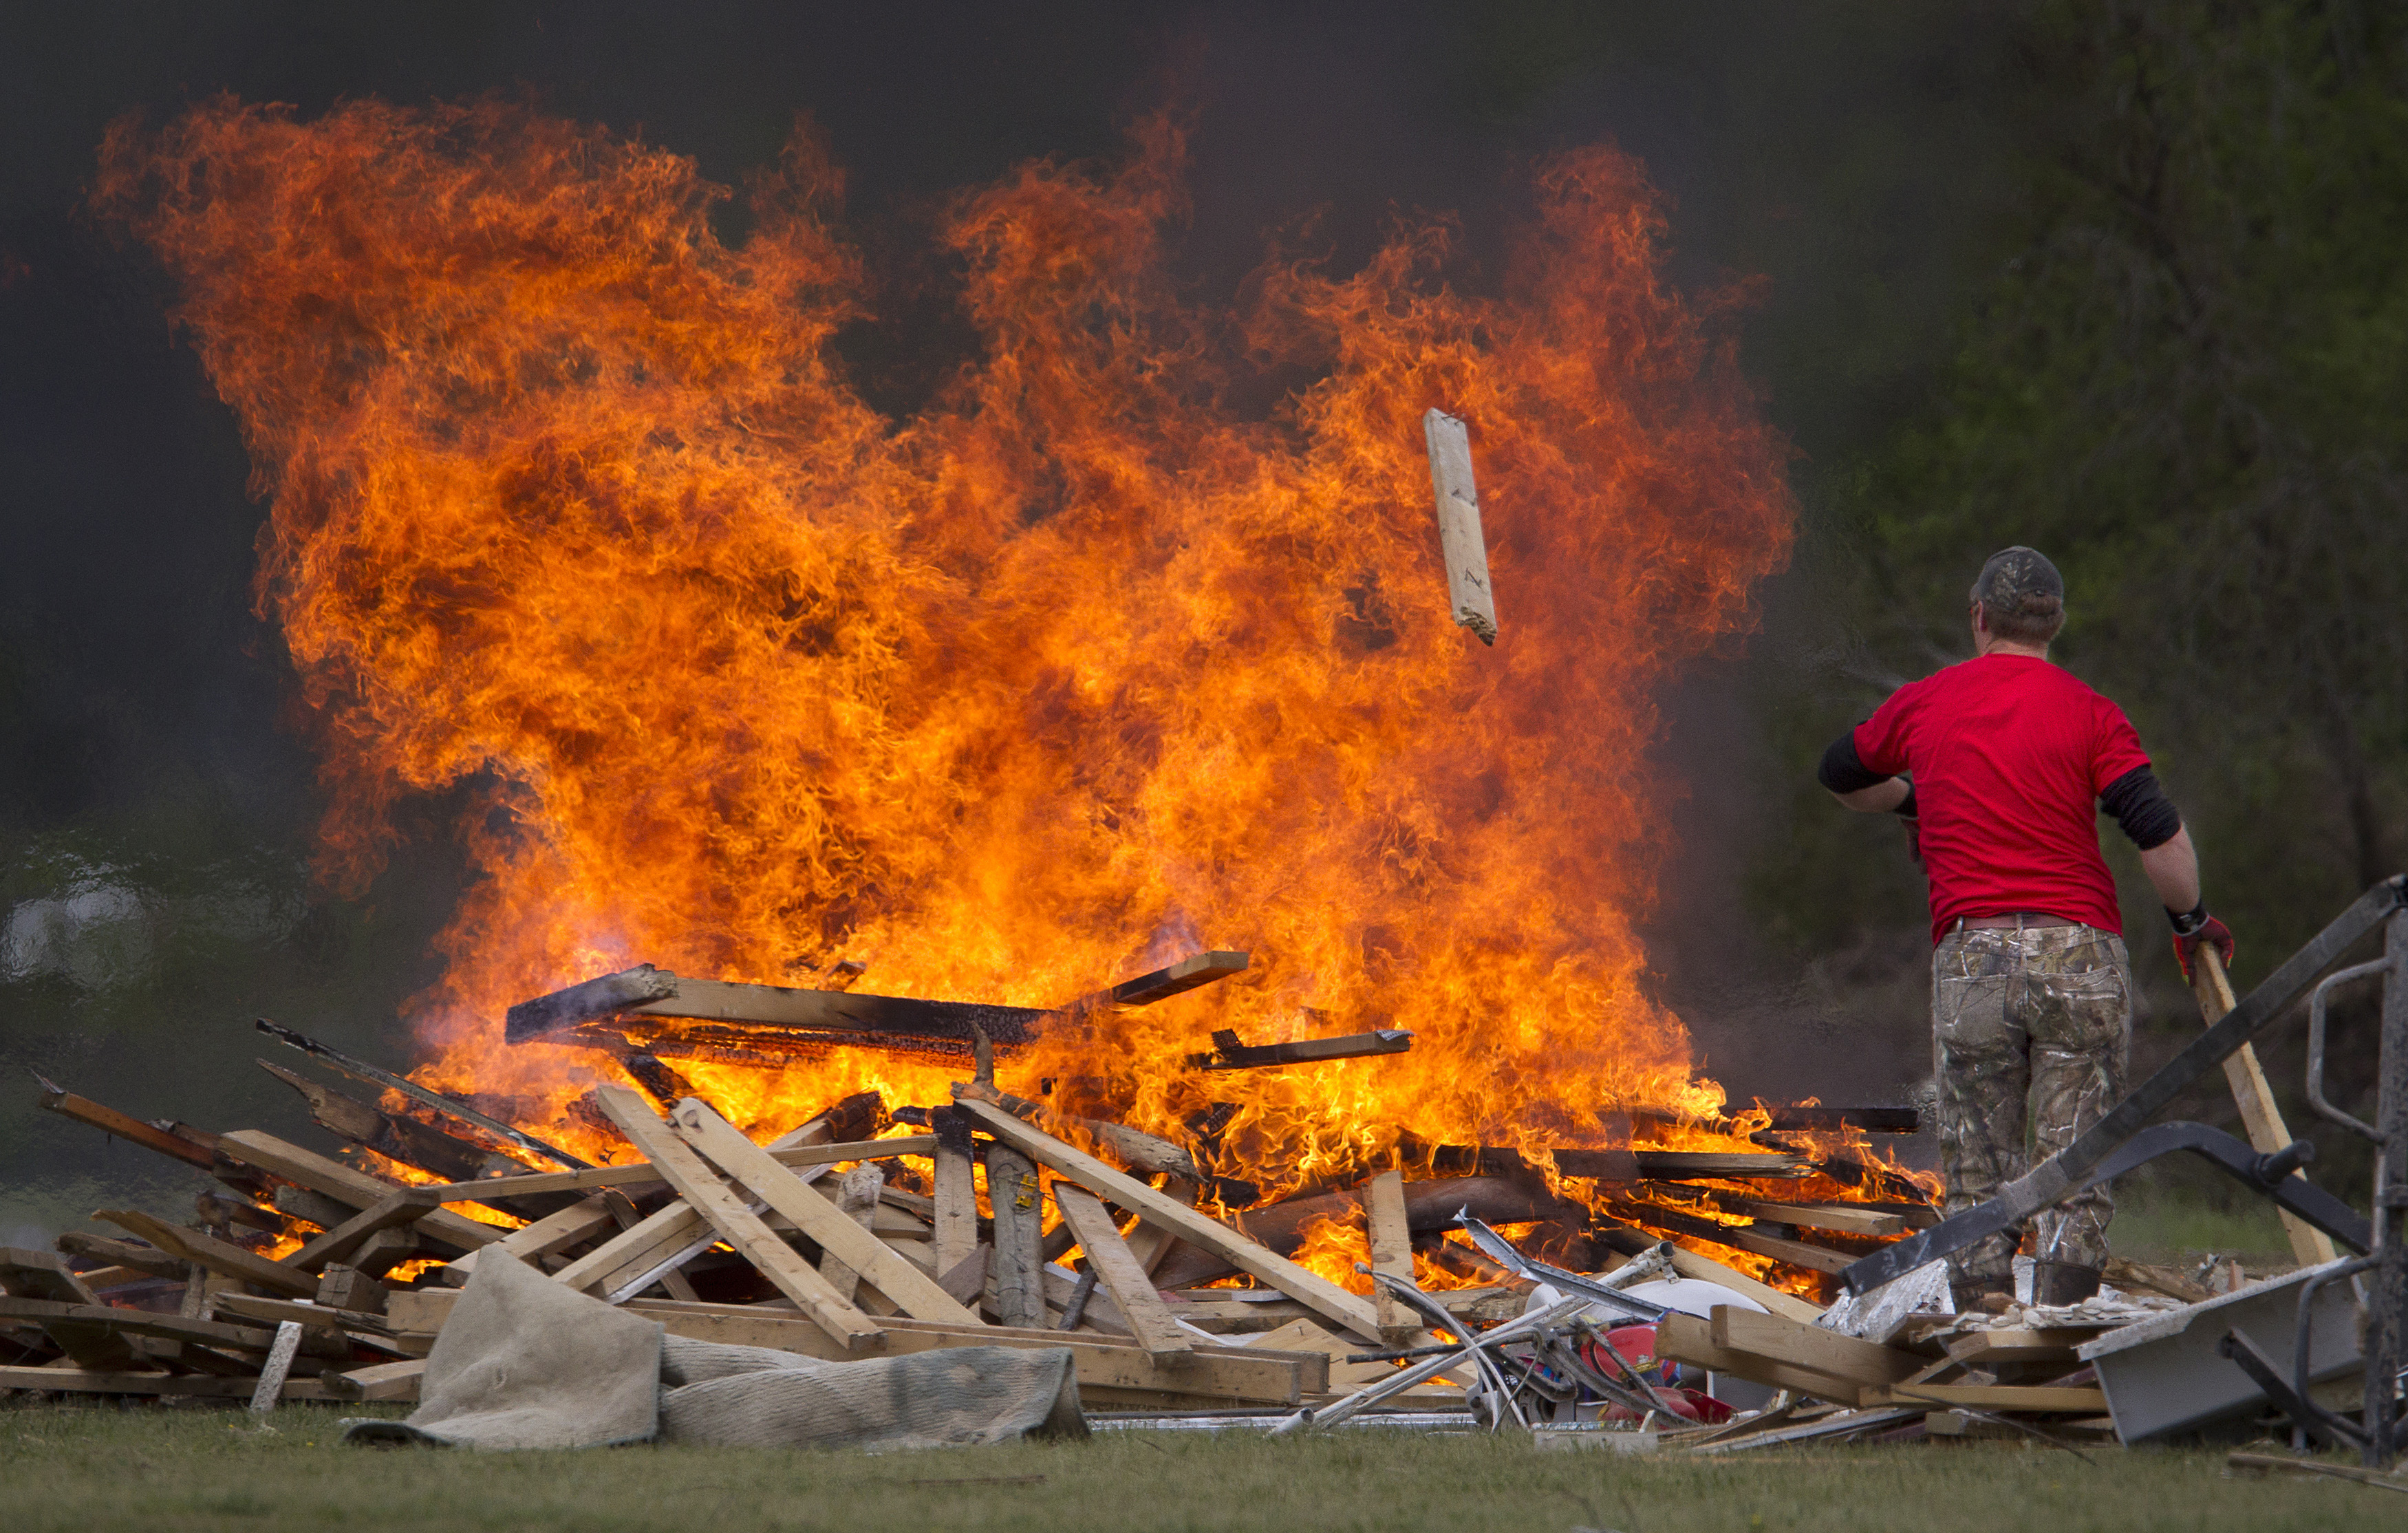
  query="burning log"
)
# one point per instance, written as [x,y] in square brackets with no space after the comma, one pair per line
[412,1143]
[1227,1053]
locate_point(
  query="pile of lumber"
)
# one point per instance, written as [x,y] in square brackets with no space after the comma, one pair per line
[990,1220]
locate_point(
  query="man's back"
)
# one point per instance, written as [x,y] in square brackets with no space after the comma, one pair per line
[2009,754]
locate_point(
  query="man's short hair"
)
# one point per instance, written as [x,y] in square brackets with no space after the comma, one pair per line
[2022,595]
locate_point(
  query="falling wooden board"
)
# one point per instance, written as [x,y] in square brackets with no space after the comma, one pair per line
[1810,1347]
[1109,1258]
[1231,1375]
[738,1225]
[1310,1289]
[836,1232]
[1460,540]
[355,1188]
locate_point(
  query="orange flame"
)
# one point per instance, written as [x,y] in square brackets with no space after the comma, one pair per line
[1078,670]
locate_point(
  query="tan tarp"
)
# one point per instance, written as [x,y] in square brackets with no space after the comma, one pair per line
[524,1362]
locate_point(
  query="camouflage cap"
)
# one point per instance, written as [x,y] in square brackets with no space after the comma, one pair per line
[2012,574]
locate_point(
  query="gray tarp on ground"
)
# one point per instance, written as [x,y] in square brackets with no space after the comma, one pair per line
[524,1362]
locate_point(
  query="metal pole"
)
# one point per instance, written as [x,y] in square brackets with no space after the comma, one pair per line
[2387,1346]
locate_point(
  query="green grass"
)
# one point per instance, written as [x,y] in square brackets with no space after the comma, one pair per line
[2178,1224]
[92,1468]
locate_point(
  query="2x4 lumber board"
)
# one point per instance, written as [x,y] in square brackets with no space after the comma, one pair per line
[2260,1112]
[552,1233]
[2049,1399]
[1691,1264]
[87,1382]
[736,1223]
[353,1187]
[216,1255]
[275,1312]
[1834,1216]
[1231,1375]
[1690,1340]
[147,1259]
[634,1250]
[956,1201]
[39,1278]
[92,1115]
[1810,1347]
[1392,1253]
[836,1014]
[837,1232]
[2037,1346]
[406,1205]
[1109,1257]
[1015,1270]
[379,1382]
[1460,542]
[105,1317]
[1310,1289]
[638,1173]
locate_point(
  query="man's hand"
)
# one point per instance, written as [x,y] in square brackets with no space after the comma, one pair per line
[2195,926]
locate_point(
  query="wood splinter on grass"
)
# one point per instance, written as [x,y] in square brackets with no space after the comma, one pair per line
[1460,542]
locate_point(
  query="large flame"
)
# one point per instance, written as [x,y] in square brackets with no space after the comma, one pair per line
[1078,670]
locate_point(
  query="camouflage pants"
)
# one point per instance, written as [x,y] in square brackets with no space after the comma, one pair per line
[2029,1035]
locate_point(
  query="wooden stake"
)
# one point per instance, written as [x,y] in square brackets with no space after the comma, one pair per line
[1108,1258]
[2312,1246]
[956,1212]
[736,1223]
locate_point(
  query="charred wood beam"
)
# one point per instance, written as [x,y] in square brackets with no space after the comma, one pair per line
[193,1146]
[1228,1054]
[1757,1238]
[656,1009]
[404,1140]
[1784,1119]
[449,1105]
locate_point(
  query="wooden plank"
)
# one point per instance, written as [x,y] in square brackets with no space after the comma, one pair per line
[39,1278]
[353,1187]
[324,1342]
[738,1225]
[640,1173]
[141,1258]
[122,1126]
[404,1140]
[893,1275]
[1836,1217]
[1691,1340]
[1691,1264]
[2260,1111]
[403,1206]
[2042,1398]
[87,1381]
[1109,1258]
[632,1252]
[1460,542]
[550,1234]
[1015,1269]
[1392,1251]
[956,1209]
[1229,1375]
[1316,1293]
[216,1255]
[2021,1346]
[381,1382]
[1823,1351]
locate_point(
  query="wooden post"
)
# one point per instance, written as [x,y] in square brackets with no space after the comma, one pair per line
[1460,542]
[1016,1269]
[1392,1251]
[2268,1133]
[956,1190]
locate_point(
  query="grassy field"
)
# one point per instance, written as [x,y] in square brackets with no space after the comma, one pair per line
[84,1469]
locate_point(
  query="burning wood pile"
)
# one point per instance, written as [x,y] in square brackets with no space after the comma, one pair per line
[998,1220]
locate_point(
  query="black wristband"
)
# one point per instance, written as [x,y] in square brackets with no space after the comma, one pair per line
[1906,806]
[2188,921]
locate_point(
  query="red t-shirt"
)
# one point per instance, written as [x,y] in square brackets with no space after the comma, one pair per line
[2009,754]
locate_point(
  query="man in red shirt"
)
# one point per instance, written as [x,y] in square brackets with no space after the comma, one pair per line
[2032,988]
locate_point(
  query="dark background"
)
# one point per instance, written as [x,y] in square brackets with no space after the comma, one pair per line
[1898,173]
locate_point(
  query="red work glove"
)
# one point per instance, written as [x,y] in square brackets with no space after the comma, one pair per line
[2191,928]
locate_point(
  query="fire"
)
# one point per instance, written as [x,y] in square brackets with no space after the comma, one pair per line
[577,519]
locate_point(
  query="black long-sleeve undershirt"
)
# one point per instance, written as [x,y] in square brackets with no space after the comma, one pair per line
[2136,801]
